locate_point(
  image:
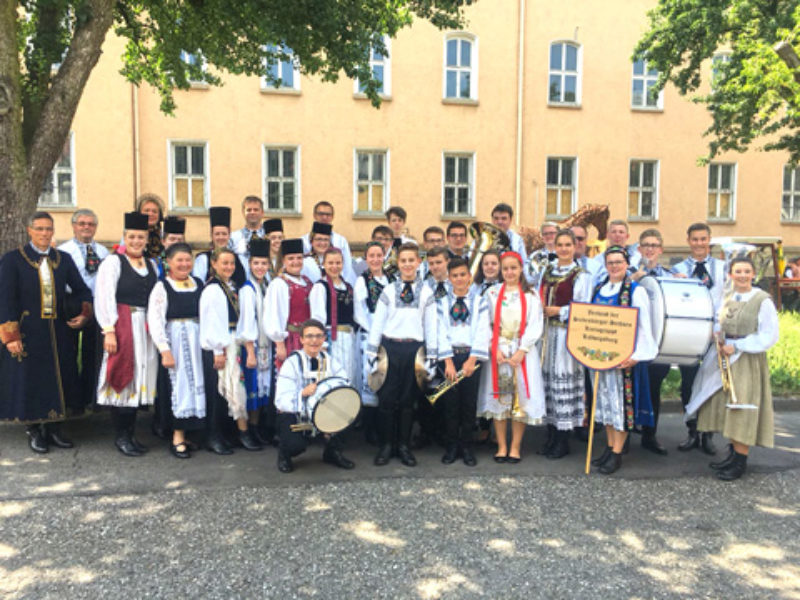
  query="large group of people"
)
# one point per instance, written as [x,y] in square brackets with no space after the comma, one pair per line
[231,345]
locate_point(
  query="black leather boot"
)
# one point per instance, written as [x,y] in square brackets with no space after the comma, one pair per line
[217,445]
[37,440]
[248,441]
[333,456]
[451,454]
[132,436]
[561,446]
[735,469]
[406,456]
[722,464]
[603,457]
[549,442]
[692,440]
[706,443]
[284,463]
[467,456]
[124,444]
[611,465]
[55,437]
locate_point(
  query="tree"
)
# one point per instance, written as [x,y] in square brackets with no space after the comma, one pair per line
[754,92]
[48,49]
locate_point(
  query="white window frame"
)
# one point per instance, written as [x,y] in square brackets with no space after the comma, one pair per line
[646,78]
[266,86]
[56,171]
[472,156]
[265,148]
[719,191]
[559,186]
[386,63]
[472,69]
[718,57]
[793,192]
[562,73]
[171,143]
[185,57]
[386,179]
[639,189]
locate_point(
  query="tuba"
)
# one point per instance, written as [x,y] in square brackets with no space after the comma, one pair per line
[485,237]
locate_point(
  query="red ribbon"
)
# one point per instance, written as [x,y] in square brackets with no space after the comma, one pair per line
[496,336]
[332,306]
[120,365]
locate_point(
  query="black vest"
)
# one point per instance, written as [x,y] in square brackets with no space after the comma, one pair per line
[344,304]
[183,305]
[233,309]
[134,289]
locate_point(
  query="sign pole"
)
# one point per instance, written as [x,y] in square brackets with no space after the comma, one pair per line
[591,421]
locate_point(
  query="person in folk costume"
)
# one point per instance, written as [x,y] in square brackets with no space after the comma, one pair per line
[514,388]
[130,362]
[256,355]
[287,299]
[432,237]
[152,206]
[396,217]
[173,318]
[502,215]
[87,255]
[323,213]
[320,239]
[220,219]
[464,331]
[404,321]
[297,381]
[458,240]
[747,326]
[174,233]
[38,369]
[541,257]
[623,393]
[273,229]
[253,213]
[220,332]
[562,282]
[366,293]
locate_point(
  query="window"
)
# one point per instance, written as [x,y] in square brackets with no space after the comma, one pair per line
[194,60]
[718,64]
[721,191]
[561,189]
[790,209]
[565,77]
[281,179]
[381,67]
[460,68]
[59,187]
[643,189]
[644,83]
[371,181]
[459,184]
[188,175]
[282,73]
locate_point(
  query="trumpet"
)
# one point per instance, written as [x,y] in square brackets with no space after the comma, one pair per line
[727,378]
[447,385]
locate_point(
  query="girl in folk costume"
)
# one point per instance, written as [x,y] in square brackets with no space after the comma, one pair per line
[173,319]
[748,327]
[563,281]
[130,362]
[256,355]
[220,218]
[489,272]
[366,293]
[219,322]
[320,240]
[514,388]
[273,229]
[287,298]
[623,395]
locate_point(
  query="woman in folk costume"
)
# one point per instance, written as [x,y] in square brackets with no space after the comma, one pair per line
[623,394]
[514,388]
[219,323]
[256,355]
[563,281]
[287,299]
[366,293]
[273,230]
[748,327]
[152,206]
[220,218]
[173,319]
[320,240]
[130,361]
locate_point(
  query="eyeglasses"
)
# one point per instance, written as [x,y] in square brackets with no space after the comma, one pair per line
[457,235]
[86,224]
[324,214]
[580,239]
[314,336]
[549,232]
[650,245]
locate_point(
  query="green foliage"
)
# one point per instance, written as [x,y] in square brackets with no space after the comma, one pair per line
[754,94]
[784,357]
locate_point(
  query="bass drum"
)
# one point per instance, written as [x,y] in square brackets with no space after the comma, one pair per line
[682,317]
[334,406]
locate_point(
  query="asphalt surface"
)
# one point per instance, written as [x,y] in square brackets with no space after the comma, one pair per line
[90,523]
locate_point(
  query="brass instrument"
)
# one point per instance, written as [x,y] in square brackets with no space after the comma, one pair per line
[516,409]
[390,264]
[485,237]
[727,378]
[447,385]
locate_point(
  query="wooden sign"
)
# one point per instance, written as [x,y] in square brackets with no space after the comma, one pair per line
[600,336]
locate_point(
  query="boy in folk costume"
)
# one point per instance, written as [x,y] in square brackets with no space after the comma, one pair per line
[404,321]
[287,298]
[220,219]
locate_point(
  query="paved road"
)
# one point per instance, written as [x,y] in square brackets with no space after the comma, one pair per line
[90,523]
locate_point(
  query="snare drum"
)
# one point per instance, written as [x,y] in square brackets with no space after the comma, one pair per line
[334,406]
[682,318]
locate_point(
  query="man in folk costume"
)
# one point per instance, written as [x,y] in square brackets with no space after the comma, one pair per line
[87,254]
[220,219]
[502,215]
[37,363]
[323,213]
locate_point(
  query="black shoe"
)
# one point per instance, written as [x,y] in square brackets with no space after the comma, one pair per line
[706,445]
[175,450]
[651,443]
[125,445]
[56,438]
[500,458]
[611,465]
[248,441]
[600,460]
[217,446]
[561,446]
[735,469]
[547,447]
[405,456]
[383,455]
[37,440]
[138,445]
[335,457]
[468,456]
[691,442]
[513,460]
[257,435]
[284,463]
[725,462]
[451,454]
